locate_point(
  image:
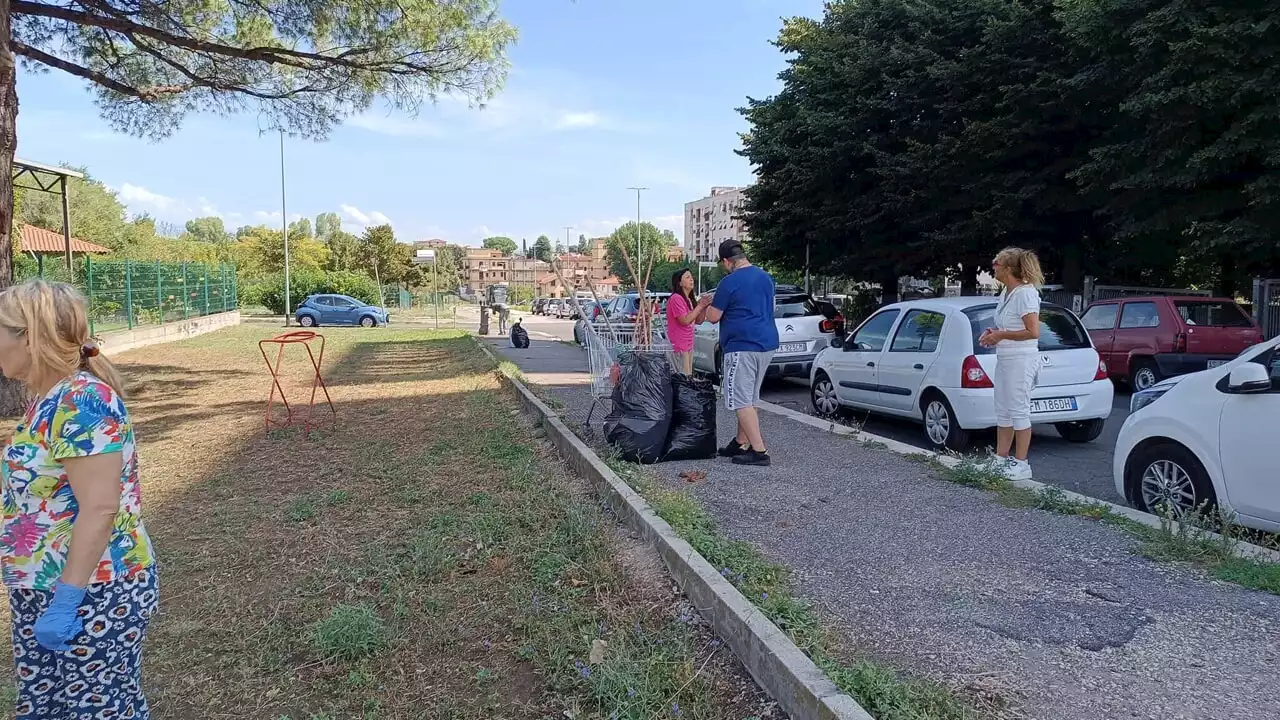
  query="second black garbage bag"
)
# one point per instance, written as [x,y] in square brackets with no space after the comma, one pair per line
[692,435]
[642,404]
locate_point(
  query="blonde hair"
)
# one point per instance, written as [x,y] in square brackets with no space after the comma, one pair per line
[55,321]
[1023,264]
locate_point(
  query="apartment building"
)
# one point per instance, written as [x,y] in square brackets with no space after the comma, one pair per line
[712,220]
[483,267]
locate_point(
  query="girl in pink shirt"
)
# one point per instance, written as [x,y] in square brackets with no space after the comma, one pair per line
[682,314]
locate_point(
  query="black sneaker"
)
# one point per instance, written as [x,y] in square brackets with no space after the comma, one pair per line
[751,457]
[733,449]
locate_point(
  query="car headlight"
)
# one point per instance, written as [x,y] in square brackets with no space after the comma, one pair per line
[1144,398]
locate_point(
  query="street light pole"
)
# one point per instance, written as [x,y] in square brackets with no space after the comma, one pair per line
[638,190]
[284,222]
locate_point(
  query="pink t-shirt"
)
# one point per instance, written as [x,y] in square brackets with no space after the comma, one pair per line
[681,336]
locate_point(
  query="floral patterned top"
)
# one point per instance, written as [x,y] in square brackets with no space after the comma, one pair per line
[79,417]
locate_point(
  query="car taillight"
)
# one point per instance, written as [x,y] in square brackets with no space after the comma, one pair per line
[832,325]
[972,375]
[1102,370]
[1180,342]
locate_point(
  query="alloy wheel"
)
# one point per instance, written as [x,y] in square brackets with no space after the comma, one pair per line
[1165,483]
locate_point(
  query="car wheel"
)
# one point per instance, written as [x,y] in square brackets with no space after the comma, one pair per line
[1144,375]
[307,321]
[823,396]
[1167,475]
[367,321]
[1082,431]
[940,424]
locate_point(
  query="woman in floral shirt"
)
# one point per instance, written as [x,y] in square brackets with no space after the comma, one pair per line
[74,554]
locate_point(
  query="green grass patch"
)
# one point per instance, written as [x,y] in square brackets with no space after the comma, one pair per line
[349,633]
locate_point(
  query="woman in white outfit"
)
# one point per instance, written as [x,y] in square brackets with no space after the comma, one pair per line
[1016,338]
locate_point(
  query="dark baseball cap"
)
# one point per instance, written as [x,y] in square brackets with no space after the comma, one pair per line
[730,249]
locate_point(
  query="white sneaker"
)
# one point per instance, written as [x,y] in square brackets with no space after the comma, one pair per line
[1018,469]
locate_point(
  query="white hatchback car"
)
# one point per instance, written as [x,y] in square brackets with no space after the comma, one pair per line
[1207,439]
[921,359]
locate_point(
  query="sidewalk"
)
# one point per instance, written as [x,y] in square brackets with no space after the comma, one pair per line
[1052,611]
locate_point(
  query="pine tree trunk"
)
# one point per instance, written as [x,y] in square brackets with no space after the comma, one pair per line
[13,396]
[969,279]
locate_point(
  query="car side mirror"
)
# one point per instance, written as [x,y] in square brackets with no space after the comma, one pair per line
[837,342]
[1249,378]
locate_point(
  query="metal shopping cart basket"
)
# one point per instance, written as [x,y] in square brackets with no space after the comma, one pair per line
[606,344]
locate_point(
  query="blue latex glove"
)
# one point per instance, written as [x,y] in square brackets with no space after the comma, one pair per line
[59,624]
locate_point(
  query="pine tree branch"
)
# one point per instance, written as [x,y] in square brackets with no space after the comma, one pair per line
[309,61]
[150,94]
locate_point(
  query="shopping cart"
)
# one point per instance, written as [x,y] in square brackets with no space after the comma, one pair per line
[607,344]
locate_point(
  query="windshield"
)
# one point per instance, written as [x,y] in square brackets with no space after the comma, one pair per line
[1059,329]
[1212,314]
[791,306]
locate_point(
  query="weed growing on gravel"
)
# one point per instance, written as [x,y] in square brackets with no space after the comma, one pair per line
[880,690]
[1206,540]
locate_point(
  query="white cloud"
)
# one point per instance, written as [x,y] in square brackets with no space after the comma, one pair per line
[394,126]
[267,217]
[136,195]
[571,120]
[355,217]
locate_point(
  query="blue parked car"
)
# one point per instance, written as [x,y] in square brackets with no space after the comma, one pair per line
[338,310]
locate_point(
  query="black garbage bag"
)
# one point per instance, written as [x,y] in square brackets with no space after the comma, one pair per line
[692,435]
[637,426]
[519,336]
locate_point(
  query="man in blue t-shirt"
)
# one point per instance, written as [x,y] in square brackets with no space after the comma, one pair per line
[743,305]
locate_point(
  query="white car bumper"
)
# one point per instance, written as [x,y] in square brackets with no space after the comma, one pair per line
[976,408]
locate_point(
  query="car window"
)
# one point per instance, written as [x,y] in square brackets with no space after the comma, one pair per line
[1100,317]
[1059,329]
[1212,314]
[322,301]
[789,306]
[872,335]
[342,303]
[1139,315]
[918,332]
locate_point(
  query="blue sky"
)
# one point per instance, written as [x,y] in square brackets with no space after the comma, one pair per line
[602,95]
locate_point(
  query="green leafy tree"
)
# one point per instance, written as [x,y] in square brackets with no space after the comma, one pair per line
[653,244]
[344,251]
[384,259]
[327,225]
[209,230]
[300,228]
[260,252]
[542,249]
[505,245]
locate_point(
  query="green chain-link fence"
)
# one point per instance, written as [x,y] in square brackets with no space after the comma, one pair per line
[124,294]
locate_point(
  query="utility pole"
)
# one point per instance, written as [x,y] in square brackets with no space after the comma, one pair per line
[637,267]
[284,222]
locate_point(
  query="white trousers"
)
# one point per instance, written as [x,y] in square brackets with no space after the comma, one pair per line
[1016,375]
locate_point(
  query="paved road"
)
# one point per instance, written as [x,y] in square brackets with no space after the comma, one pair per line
[1083,468]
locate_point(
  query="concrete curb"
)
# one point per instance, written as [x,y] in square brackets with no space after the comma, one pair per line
[1240,549]
[801,689]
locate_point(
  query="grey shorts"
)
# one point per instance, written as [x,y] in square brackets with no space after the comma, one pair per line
[743,377]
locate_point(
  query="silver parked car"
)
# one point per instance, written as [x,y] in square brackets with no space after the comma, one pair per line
[805,328]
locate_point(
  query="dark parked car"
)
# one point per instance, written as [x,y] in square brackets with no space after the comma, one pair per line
[338,310]
[1146,339]
[540,306]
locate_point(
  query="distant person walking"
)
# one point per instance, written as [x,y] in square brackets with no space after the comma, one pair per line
[74,553]
[743,306]
[683,312]
[1016,338]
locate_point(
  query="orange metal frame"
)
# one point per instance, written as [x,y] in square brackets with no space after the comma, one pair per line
[303,338]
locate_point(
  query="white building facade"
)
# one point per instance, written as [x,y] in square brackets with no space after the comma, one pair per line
[712,220]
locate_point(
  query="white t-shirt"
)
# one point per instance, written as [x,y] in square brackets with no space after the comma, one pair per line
[1023,300]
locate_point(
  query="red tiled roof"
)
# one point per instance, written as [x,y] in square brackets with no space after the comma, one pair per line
[39,240]
[611,280]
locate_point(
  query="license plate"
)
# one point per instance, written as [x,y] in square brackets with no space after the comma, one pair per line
[1053,405]
[1216,363]
[791,348]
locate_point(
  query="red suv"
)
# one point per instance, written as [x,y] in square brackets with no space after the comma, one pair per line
[1146,339]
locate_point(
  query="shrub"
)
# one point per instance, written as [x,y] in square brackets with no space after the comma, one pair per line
[269,293]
